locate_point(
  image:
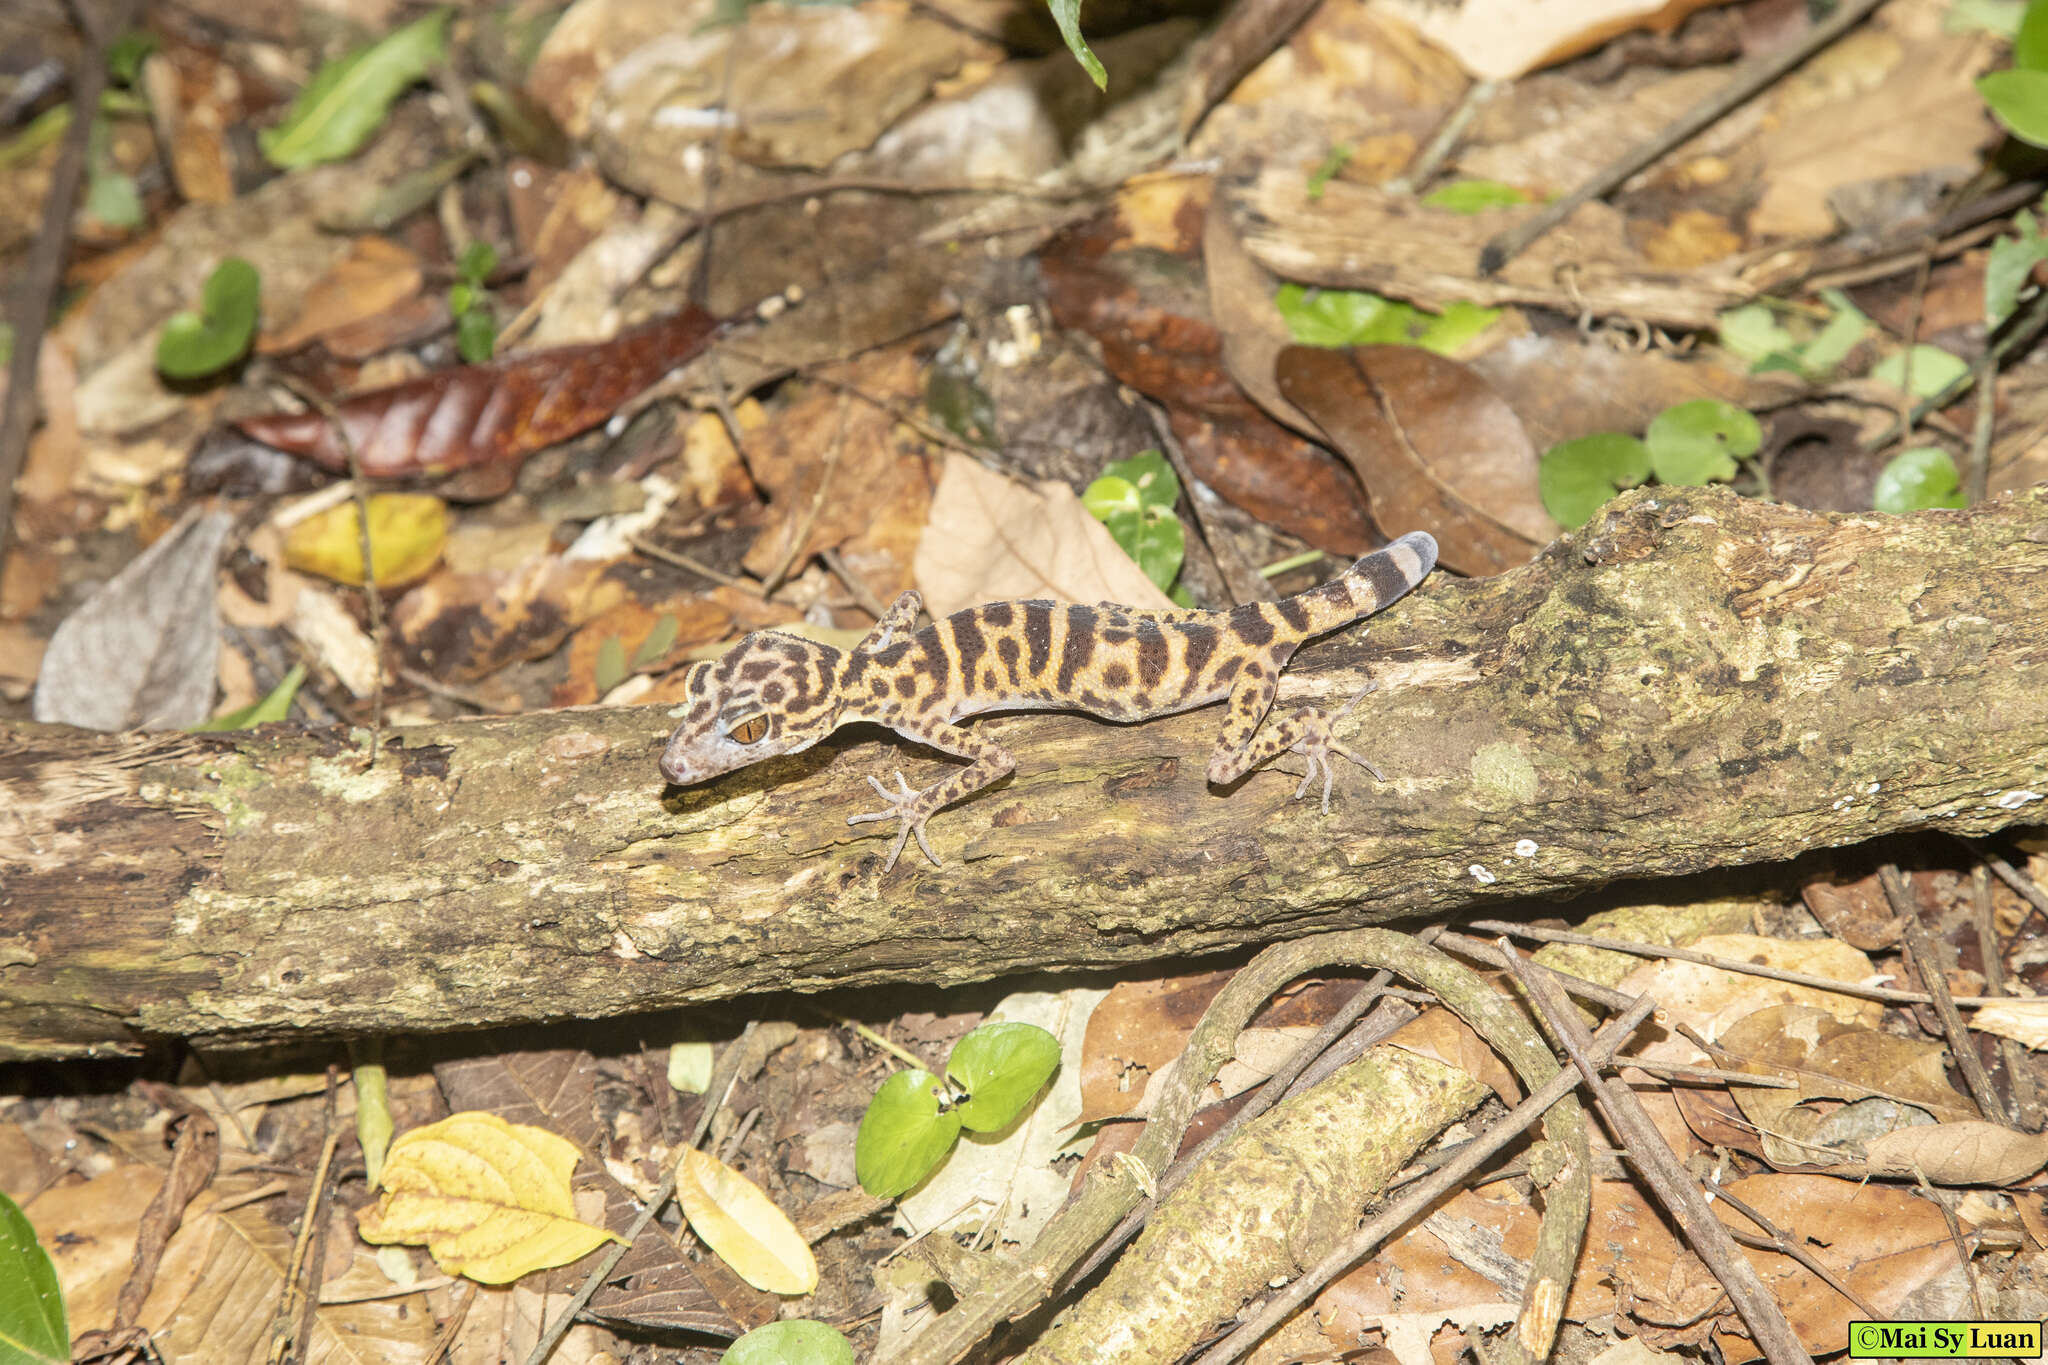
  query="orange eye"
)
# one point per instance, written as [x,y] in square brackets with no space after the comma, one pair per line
[750,730]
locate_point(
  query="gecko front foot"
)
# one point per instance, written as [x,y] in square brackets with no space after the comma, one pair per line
[902,806]
[1318,745]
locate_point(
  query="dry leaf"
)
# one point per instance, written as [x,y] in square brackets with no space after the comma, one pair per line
[992,539]
[489,1199]
[407,532]
[2023,1021]
[1968,1152]
[376,275]
[743,1226]
[141,652]
[1499,40]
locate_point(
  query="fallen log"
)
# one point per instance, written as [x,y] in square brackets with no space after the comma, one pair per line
[1696,681]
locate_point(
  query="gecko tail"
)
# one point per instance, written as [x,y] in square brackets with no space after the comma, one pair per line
[1372,584]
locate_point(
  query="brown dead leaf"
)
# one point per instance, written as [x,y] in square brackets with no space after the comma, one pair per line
[1969,1152]
[2023,1021]
[1922,115]
[1834,1060]
[1437,449]
[376,275]
[696,621]
[992,539]
[1691,237]
[89,1229]
[1711,1000]
[462,627]
[1444,1036]
[1856,912]
[835,466]
[1501,39]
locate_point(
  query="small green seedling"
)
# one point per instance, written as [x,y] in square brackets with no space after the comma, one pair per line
[1577,477]
[2019,95]
[797,1341]
[476,326]
[915,1118]
[1134,498]
[1473,197]
[266,710]
[195,345]
[1689,443]
[1067,14]
[2009,266]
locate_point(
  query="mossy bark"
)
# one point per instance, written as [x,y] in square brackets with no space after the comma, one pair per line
[1696,681]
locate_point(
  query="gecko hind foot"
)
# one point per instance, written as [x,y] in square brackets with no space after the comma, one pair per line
[901,805]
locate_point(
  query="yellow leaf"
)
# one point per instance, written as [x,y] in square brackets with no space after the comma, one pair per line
[743,1226]
[407,531]
[489,1199]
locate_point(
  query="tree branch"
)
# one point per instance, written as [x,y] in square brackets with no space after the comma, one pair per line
[1697,681]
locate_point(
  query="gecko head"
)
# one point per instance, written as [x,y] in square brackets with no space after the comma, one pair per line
[771,694]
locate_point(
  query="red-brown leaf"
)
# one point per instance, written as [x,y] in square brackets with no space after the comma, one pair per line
[474,414]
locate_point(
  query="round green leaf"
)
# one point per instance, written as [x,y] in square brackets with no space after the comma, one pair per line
[798,1341]
[1916,479]
[479,259]
[1149,473]
[1577,477]
[1339,317]
[1699,442]
[32,1325]
[1933,370]
[1001,1067]
[194,345]
[2020,99]
[904,1135]
[2030,44]
[1111,496]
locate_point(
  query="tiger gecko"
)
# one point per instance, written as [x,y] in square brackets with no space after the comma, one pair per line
[774,693]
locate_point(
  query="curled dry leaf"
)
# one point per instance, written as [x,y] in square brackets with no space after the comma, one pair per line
[490,1199]
[1969,1152]
[470,415]
[1434,445]
[2023,1021]
[743,1226]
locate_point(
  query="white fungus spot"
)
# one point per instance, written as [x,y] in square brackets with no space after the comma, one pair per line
[1525,848]
[1481,875]
[2013,800]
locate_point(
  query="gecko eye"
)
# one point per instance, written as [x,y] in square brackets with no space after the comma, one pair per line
[751,730]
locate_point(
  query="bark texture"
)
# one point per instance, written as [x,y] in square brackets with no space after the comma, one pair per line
[1695,681]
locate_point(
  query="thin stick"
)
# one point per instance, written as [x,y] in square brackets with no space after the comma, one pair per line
[1666,1177]
[35,285]
[1239,578]
[1777,1240]
[1752,79]
[2020,330]
[1927,964]
[1885,994]
[1420,1195]
[1424,167]
[2010,875]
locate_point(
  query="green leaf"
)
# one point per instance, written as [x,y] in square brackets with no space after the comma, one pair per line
[32,1324]
[797,1341]
[2020,99]
[1150,476]
[6,342]
[1577,477]
[1699,442]
[660,637]
[1111,496]
[194,345]
[479,259]
[1844,328]
[110,192]
[1933,370]
[1916,479]
[2030,44]
[348,97]
[1320,177]
[1067,14]
[274,707]
[1351,317]
[124,58]
[2012,260]
[1155,540]
[610,669]
[1001,1067]
[1474,196]
[476,335]
[2000,18]
[904,1135]
[1753,332]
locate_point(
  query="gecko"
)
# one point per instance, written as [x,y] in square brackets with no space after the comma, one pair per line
[775,693]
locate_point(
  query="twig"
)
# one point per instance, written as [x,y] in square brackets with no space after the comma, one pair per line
[2019,1074]
[1977,477]
[696,566]
[2020,330]
[1746,84]
[293,1323]
[35,284]
[2010,875]
[1661,1170]
[1779,1241]
[1238,578]
[1886,994]
[855,584]
[1927,964]
[1421,170]
[1420,1194]
[1592,992]
[1707,1075]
